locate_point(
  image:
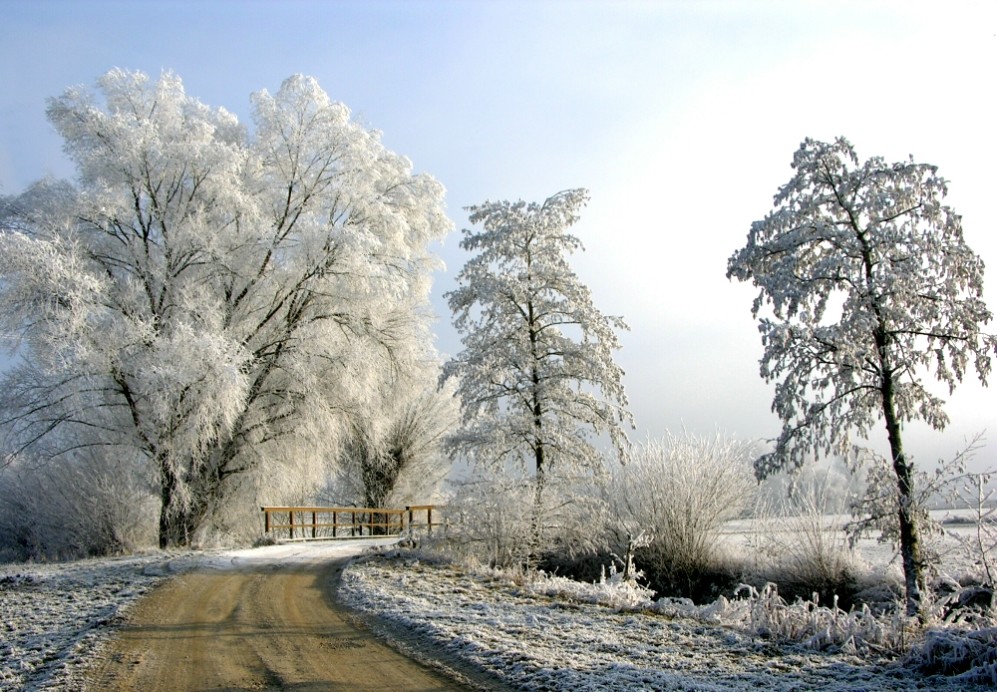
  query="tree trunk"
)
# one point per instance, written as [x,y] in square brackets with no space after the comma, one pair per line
[536,519]
[178,520]
[910,538]
[175,529]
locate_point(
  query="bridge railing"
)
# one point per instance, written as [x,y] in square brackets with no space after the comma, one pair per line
[313,523]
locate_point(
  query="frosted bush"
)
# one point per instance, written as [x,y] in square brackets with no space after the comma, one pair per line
[804,545]
[611,590]
[969,655]
[489,518]
[765,613]
[680,491]
[489,521]
[91,504]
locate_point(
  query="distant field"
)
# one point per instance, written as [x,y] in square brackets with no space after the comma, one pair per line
[751,535]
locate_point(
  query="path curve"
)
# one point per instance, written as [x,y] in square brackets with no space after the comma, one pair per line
[252,627]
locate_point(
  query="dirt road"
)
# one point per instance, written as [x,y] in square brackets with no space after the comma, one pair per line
[269,626]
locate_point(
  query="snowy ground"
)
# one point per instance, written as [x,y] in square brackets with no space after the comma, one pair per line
[534,640]
[547,635]
[55,616]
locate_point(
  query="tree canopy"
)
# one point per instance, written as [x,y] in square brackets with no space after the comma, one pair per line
[210,297]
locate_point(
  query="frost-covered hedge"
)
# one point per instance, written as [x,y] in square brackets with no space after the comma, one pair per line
[81,507]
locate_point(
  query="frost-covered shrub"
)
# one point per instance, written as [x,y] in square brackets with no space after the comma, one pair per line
[803,545]
[765,613]
[92,504]
[962,642]
[489,519]
[680,491]
[969,654]
[614,590]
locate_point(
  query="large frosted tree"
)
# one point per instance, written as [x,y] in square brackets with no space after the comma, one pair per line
[208,298]
[868,294]
[536,377]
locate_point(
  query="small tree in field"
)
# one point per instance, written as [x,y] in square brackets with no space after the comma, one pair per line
[536,377]
[872,289]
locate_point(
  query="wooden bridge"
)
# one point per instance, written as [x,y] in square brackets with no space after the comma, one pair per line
[314,523]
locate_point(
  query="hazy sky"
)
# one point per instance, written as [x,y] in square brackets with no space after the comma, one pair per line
[680,117]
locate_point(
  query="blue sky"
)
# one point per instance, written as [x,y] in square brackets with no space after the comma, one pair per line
[680,117]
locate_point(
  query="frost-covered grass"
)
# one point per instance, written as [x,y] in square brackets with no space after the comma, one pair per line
[552,633]
[55,616]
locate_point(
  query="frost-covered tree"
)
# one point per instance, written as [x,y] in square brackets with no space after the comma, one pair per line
[536,377]
[213,297]
[872,294]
